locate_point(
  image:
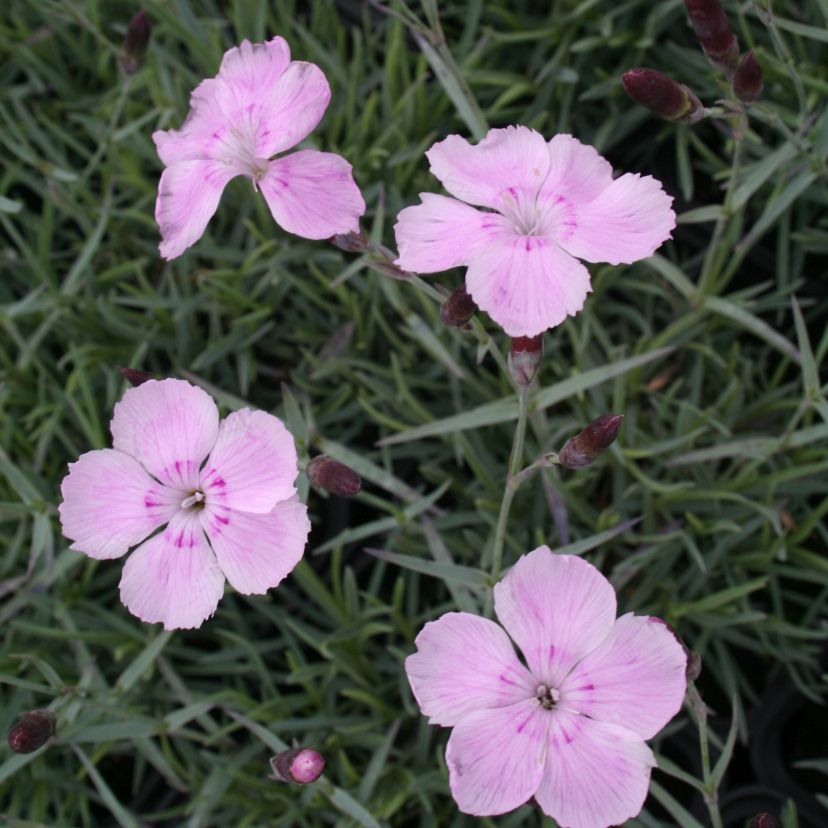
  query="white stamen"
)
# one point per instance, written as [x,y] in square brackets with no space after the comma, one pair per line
[195,497]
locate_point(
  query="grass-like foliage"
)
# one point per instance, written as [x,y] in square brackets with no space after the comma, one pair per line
[709,510]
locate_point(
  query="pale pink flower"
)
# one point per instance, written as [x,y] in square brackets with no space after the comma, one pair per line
[569,727]
[261,103]
[235,516]
[546,205]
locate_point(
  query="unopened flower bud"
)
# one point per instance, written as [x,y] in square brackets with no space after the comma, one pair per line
[32,731]
[350,242]
[336,477]
[300,765]
[525,357]
[694,664]
[764,821]
[747,80]
[134,48]
[458,308]
[713,31]
[582,449]
[664,96]
[135,377]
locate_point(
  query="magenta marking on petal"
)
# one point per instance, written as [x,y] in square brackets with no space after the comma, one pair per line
[522,726]
[224,520]
[587,687]
[506,680]
[179,541]
[150,503]
[566,736]
[551,652]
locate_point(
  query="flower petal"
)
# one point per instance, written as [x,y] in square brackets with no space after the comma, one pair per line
[628,221]
[576,171]
[526,283]
[110,503]
[634,678]
[203,134]
[496,757]
[510,163]
[257,551]
[251,69]
[169,426]
[557,608]
[596,774]
[313,194]
[465,663]
[252,465]
[441,233]
[173,577]
[188,196]
[291,108]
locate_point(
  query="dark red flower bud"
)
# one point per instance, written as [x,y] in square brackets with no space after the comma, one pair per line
[525,357]
[135,377]
[582,449]
[458,308]
[350,242]
[713,31]
[747,80]
[336,477]
[32,731]
[300,765]
[660,93]
[134,47]
[764,821]
[694,664]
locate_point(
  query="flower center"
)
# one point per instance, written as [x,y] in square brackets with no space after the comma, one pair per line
[242,152]
[547,696]
[522,213]
[194,501]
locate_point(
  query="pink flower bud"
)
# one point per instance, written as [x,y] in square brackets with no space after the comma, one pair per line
[350,242]
[525,357]
[458,308]
[300,765]
[713,31]
[664,96]
[134,48]
[32,731]
[747,80]
[135,377]
[336,477]
[694,663]
[764,821]
[582,449]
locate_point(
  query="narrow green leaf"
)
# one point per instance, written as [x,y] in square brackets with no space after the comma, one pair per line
[447,572]
[506,409]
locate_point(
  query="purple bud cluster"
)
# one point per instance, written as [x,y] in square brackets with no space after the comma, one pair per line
[676,102]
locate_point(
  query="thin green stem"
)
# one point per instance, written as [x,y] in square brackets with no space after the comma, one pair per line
[515,462]
[710,795]
[709,270]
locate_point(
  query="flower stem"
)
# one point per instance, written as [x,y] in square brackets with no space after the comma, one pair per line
[515,462]
[709,270]
[710,795]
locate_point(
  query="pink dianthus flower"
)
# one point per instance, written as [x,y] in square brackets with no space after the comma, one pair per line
[569,727]
[261,103]
[546,205]
[236,516]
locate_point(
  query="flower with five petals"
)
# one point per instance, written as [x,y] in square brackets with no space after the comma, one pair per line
[236,516]
[566,728]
